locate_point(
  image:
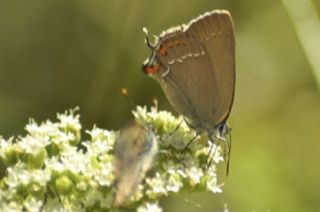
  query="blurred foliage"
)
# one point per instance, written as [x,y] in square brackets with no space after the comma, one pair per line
[58,54]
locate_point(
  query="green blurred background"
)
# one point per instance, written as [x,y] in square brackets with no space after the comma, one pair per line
[58,54]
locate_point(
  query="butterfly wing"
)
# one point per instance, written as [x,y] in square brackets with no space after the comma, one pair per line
[134,151]
[197,70]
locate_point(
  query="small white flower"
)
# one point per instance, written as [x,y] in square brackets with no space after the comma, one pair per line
[32,145]
[195,174]
[74,160]
[140,113]
[150,207]
[10,207]
[174,184]
[39,176]
[54,164]
[67,120]
[173,168]
[182,173]
[17,175]
[105,175]
[102,141]
[82,186]
[33,204]
[101,135]
[4,145]
[46,129]
[213,186]
[157,186]
[65,137]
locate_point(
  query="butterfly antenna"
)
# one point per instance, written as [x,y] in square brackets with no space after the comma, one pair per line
[124,92]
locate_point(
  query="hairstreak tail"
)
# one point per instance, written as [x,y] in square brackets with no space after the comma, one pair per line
[195,66]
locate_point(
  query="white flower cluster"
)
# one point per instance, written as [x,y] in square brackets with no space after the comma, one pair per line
[179,165]
[51,169]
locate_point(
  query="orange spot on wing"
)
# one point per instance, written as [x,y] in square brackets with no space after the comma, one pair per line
[163,50]
[152,69]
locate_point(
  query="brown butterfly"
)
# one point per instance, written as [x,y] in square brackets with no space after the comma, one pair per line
[195,66]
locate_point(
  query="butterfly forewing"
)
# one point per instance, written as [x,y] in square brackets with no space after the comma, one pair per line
[198,70]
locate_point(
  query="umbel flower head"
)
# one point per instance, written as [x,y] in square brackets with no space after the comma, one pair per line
[52,169]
